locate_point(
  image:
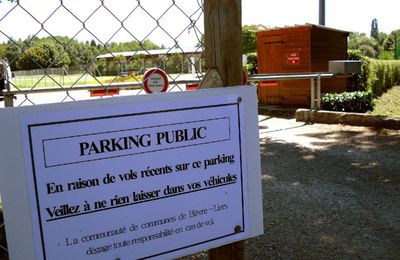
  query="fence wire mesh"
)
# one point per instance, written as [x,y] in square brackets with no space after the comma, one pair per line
[55,51]
[58,50]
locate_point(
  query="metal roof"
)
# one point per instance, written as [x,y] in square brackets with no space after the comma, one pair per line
[152,52]
[304,25]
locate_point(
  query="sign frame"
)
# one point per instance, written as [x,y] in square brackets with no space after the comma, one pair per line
[19,225]
[294,58]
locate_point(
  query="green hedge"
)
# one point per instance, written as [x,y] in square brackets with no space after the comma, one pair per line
[359,101]
[382,75]
[377,76]
[361,78]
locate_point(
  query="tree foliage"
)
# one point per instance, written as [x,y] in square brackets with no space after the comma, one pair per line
[382,47]
[3,50]
[374,29]
[61,51]
[368,46]
[390,42]
[249,39]
[43,54]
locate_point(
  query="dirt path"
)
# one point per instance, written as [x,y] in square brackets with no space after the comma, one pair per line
[329,192]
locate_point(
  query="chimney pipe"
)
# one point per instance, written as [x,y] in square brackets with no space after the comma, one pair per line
[322,12]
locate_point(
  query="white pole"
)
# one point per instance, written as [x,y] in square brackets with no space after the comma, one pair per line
[193,67]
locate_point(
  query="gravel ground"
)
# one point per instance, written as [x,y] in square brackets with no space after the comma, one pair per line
[329,192]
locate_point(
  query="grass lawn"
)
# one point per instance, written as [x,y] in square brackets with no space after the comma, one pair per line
[41,81]
[389,103]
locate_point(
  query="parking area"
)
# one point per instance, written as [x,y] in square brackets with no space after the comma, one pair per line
[329,192]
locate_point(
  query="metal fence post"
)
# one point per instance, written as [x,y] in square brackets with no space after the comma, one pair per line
[319,92]
[312,106]
[8,100]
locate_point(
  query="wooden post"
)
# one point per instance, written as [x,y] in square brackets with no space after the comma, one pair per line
[223,58]
[8,100]
[223,42]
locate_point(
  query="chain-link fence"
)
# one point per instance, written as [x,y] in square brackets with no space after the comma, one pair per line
[56,51]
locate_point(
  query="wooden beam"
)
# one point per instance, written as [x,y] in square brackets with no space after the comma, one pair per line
[223,39]
[234,251]
[223,57]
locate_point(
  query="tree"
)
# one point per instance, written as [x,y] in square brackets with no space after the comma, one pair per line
[3,50]
[79,53]
[93,43]
[249,39]
[251,65]
[368,46]
[389,43]
[149,45]
[374,29]
[12,52]
[43,54]
[174,63]
[61,51]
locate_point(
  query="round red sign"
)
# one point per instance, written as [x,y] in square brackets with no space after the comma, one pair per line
[155,81]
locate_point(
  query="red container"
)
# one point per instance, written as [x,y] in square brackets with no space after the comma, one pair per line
[103,92]
[298,49]
[192,86]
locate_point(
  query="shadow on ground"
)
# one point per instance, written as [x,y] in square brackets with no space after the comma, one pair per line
[340,201]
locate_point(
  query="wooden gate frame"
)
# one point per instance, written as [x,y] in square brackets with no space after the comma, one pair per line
[223,43]
[223,58]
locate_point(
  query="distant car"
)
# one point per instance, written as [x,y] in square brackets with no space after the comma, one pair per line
[2,77]
[5,74]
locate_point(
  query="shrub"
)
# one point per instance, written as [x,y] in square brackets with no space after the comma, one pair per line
[359,101]
[360,79]
[386,55]
[382,75]
[377,76]
[251,65]
[132,77]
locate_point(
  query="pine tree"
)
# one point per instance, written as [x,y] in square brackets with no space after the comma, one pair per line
[374,29]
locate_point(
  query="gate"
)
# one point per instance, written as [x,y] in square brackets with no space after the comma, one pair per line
[213,26]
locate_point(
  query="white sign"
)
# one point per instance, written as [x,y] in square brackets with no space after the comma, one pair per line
[155,81]
[135,178]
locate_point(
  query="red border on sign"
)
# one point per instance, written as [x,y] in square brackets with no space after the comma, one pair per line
[147,75]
